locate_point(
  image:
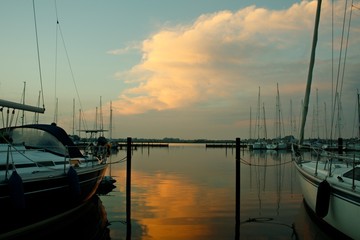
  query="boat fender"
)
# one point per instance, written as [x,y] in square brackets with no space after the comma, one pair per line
[16,189]
[74,184]
[323,199]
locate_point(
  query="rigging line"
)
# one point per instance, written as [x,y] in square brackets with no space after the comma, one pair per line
[38,54]
[82,117]
[346,46]
[56,58]
[354,119]
[12,117]
[68,58]
[71,70]
[332,58]
[56,11]
[332,69]
[22,100]
[243,161]
[338,95]
[7,117]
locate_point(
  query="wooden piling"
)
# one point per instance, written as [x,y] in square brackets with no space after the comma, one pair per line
[340,145]
[237,190]
[128,187]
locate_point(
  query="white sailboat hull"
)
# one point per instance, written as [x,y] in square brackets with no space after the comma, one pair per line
[344,204]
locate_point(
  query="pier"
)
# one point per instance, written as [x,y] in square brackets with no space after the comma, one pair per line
[225,145]
[143,145]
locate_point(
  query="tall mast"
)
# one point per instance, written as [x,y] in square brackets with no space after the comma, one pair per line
[73,122]
[36,115]
[310,73]
[291,118]
[358,105]
[79,123]
[250,133]
[110,127]
[264,119]
[325,121]
[278,113]
[317,114]
[101,118]
[258,117]
[23,102]
[56,110]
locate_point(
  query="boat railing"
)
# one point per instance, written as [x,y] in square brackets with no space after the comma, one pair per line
[333,158]
[9,163]
[328,157]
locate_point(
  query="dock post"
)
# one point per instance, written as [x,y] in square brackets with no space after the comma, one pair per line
[237,190]
[128,188]
[340,145]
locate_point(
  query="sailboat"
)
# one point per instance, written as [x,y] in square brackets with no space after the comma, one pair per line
[355,144]
[259,144]
[331,185]
[42,172]
[277,144]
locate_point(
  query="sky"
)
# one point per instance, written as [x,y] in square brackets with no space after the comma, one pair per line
[182,69]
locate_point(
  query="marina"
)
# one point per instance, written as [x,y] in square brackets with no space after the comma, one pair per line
[189,191]
[182,83]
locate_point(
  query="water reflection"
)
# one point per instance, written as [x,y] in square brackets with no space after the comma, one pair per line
[307,228]
[269,200]
[171,194]
[188,192]
[88,221]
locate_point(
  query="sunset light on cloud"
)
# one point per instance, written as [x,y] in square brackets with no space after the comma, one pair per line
[191,72]
[209,59]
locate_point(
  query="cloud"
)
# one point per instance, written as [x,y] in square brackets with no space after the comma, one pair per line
[219,57]
[130,47]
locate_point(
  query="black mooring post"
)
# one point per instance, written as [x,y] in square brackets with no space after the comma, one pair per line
[128,187]
[237,190]
[340,145]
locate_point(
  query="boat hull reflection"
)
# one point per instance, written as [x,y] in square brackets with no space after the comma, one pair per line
[87,221]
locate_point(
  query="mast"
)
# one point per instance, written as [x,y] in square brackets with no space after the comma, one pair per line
[264,119]
[291,119]
[56,110]
[325,121]
[79,123]
[101,118]
[96,118]
[258,117]
[73,120]
[36,115]
[317,114]
[110,127]
[280,125]
[250,133]
[23,102]
[358,105]
[311,68]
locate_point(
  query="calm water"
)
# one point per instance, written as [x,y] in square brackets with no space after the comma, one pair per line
[187,191]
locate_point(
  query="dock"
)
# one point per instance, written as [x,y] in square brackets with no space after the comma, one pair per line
[224,145]
[143,145]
